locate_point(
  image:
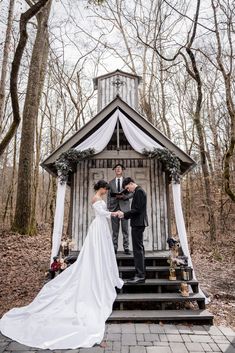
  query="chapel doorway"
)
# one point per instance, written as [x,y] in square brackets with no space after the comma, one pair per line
[142,178]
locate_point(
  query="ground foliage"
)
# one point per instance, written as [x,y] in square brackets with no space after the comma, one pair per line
[215,266]
[25,259]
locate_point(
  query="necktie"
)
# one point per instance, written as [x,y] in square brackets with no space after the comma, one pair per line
[118,185]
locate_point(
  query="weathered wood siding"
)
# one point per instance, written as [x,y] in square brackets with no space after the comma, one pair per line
[147,173]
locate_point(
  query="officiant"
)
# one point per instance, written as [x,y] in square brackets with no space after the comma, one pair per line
[118,199]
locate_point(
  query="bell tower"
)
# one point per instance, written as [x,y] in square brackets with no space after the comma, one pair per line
[117,83]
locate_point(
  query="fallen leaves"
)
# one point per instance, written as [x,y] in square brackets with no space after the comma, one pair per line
[214,267]
[25,259]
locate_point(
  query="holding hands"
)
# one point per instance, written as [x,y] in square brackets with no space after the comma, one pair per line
[119,197]
[118,214]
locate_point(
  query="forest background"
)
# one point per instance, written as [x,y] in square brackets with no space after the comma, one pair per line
[50,50]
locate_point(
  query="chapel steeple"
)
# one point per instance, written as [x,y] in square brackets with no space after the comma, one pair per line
[117,83]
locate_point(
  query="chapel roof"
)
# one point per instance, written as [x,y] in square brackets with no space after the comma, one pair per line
[102,116]
[109,74]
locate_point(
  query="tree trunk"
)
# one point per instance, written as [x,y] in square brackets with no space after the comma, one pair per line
[23,214]
[199,128]
[165,123]
[24,19]
[38,148]
[5,61]
[197,120]
[227,72]
[9,206]
[230,150]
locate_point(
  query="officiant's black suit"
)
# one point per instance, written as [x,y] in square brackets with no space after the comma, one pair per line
[139,220]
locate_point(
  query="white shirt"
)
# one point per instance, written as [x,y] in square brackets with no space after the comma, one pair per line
[121,179]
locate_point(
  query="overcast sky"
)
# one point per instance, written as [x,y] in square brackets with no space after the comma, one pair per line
[69,17]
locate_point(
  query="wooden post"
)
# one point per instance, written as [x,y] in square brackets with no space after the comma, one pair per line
[118,136]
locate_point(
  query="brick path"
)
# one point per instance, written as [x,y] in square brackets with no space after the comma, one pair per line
[149,338]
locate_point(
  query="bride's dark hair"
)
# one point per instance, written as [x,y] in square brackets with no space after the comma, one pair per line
[101,184]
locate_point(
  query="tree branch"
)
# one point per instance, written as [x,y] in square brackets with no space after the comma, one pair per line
[189,18]
[24,19]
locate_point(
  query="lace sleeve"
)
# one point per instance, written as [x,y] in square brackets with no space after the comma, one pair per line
[101,209]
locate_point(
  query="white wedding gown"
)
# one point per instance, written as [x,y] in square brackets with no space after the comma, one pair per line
[70,311]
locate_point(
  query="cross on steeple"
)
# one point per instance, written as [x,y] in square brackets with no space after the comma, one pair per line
[118,83]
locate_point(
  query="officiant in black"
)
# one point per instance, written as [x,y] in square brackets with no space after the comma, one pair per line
[118,199]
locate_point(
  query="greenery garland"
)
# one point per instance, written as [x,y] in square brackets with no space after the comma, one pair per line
[170,162]
[67,162]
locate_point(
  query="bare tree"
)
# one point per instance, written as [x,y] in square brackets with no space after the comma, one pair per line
[5,60]
[23,214]
[193,71]
[24,19]
[195,74]
[225,65]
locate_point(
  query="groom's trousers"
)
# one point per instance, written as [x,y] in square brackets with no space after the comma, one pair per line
[138,250]
[115,221]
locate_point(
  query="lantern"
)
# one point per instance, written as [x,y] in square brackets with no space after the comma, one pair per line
[186,273]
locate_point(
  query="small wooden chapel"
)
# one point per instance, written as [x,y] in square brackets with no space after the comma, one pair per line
[118,133]
[119,90]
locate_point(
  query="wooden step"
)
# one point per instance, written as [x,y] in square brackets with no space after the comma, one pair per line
[162,315]
[148,268]
[161,254]
[151,272]
[162,281]
[158,285]
[151,258]
[156,297]
[155,301]
[148,256]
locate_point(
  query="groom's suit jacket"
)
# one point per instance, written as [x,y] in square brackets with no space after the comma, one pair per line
[115,204]
[138,211]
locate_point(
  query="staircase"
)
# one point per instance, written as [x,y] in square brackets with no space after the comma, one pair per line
[158,299]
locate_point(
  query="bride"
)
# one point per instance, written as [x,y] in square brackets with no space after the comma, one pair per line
[70,311]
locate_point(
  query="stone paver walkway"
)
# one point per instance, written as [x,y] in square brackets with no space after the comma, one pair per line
[149,338]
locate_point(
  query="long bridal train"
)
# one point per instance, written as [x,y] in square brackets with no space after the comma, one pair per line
[70,311]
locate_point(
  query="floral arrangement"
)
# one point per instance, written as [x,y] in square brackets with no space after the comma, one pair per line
[170,162]
[174,258]
[67,161]
[58,265]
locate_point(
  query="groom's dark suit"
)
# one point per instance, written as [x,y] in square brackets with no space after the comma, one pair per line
[115,204]
[139,220]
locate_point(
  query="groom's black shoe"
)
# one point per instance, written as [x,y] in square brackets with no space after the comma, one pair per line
[136,280]
[127,251]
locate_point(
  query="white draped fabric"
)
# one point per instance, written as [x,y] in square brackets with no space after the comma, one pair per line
[179,218]
[58,219]
[70,311]
[135,136]
[101,137]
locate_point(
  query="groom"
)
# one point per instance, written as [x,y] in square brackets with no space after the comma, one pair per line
[139,220]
